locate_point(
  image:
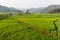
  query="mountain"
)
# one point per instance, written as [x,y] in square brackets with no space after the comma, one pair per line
[44,9]
[36,9]
[51,7]
[7,9]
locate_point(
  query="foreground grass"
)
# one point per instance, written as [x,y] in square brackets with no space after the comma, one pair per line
[29,27]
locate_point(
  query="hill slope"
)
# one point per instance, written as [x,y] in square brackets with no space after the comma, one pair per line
[6,9]
[44,9]
[51,7]
[36,9]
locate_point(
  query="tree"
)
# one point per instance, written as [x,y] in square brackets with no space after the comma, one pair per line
[27,12]
[54,10]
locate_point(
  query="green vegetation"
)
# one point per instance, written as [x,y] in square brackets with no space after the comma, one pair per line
[29,27]
[55,11]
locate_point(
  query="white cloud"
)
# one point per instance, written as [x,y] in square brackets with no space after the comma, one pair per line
[28,3]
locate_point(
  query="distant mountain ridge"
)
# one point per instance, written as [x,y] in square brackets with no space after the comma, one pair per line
[44,9]
[51,7]
[36,9]
[7,9]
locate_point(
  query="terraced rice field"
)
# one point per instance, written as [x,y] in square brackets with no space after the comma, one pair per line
[29,27]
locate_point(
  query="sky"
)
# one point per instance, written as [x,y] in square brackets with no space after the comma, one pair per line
[21,4]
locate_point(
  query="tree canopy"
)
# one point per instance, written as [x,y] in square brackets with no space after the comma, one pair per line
[54,10]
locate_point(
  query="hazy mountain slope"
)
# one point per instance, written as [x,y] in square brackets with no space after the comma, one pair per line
[6,9]
[51,7]
[36,9]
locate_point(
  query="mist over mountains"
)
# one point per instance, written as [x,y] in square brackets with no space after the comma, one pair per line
[7,9]
[50,7]
[44,9]
[41,9]
[36,9]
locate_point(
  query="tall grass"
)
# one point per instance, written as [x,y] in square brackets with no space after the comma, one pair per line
[29,27]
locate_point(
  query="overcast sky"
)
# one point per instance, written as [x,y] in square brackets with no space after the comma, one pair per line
[28,3]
